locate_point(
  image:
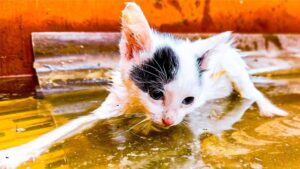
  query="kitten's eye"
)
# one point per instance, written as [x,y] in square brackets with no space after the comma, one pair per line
[188,100]
[156,95]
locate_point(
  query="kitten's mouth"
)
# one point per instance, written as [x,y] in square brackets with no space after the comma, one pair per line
[144,125]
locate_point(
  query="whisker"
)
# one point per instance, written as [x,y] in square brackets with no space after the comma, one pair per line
[184,123]
[161,72]
[144,126]
[137,135]
[146,82]
[142,69]
[164,73]
[136,124]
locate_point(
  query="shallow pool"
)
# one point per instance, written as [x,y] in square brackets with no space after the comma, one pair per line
[253,142]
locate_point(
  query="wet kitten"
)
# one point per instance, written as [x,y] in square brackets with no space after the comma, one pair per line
[162,76]
[172,77]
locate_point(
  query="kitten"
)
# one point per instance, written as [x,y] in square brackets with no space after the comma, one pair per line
[162,76]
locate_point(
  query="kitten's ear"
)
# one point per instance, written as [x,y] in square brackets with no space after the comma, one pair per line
[136,34]
[206,46]
[214,41]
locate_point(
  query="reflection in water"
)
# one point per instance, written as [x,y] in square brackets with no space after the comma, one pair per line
[218,115]
[219,135]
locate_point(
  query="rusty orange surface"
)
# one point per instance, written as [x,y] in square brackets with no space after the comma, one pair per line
[18,18]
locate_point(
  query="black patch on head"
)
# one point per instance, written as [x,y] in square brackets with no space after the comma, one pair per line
[161,69]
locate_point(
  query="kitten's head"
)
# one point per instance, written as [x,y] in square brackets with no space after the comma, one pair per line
[167,71]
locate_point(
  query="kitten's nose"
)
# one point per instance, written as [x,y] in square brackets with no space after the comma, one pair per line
[167,121]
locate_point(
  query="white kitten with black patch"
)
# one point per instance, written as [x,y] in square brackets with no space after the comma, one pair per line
[164,77]
[176,76]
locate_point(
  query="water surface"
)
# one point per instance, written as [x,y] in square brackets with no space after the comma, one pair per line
[252,142]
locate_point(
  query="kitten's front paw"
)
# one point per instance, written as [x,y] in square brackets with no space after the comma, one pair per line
[14,157]
[270,110]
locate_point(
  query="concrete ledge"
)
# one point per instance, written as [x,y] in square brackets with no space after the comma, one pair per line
[78,60]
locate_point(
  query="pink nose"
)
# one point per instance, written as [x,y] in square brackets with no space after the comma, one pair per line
[167,121]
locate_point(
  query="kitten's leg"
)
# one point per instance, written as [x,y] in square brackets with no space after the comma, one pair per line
[15,156]
[237,73]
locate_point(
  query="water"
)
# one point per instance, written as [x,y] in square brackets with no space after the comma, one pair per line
[253,141]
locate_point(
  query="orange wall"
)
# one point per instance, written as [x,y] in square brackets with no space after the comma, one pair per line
[18,18]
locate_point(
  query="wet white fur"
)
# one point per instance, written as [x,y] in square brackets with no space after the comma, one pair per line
[221,58]
[225,68]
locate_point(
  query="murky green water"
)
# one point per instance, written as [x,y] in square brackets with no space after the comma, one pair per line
[253,142]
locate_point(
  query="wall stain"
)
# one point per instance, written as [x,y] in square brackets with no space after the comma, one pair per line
[197,3]
[176,5]
[207,20]
[158,4]
[255,45]
[273,39]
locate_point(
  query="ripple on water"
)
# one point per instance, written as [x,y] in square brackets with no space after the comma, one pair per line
[242,137]
[296,118]
[286,126]
[218,146]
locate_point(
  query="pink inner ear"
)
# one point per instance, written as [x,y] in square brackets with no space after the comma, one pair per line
[136,32]
[137,41]
[132,45]
[204,61]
